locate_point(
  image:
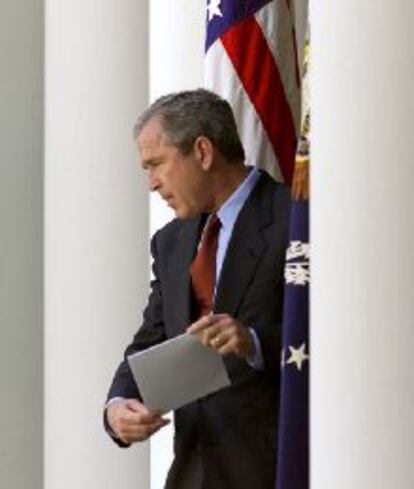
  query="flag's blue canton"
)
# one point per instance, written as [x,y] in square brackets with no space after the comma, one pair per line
[293,450]
[232,11]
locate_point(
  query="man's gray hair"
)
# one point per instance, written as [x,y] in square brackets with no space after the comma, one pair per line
[185,116]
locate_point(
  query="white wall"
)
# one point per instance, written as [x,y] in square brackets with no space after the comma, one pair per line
[176,61]
[21,275]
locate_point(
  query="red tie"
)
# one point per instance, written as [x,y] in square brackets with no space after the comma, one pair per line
[203,268]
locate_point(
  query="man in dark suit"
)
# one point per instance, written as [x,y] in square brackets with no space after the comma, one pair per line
[188,144]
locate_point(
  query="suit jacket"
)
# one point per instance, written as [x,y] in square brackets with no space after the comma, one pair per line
[233,431]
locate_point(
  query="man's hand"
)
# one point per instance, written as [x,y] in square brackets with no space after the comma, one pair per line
[224,334]
[131,421]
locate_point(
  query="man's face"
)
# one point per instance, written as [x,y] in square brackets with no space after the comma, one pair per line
[179,179]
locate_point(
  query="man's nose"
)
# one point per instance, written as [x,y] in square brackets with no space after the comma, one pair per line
[154,183]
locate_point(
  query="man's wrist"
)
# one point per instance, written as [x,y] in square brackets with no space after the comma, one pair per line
[107,424]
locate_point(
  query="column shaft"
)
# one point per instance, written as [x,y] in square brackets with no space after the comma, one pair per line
[363,240]
[96,232]
[21,242]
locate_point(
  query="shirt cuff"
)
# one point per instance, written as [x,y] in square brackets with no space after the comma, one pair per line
[107,426]
[114,399]
[256,361]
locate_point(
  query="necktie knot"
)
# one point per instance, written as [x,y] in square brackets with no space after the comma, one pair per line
[211,229]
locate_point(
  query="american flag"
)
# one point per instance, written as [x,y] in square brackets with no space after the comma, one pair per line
[251,60]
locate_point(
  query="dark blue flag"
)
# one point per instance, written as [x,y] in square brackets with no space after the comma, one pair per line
[293,447]
[293,440]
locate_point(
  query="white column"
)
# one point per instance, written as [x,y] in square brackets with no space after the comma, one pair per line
[21,242]
[363,241]
[96,232]
[176,63]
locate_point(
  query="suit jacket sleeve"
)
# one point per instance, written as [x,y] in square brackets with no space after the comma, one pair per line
[151,332]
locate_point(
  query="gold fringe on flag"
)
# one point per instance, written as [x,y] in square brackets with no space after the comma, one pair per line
[300,184]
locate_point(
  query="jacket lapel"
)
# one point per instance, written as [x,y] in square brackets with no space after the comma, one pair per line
[245,248]
[179,271]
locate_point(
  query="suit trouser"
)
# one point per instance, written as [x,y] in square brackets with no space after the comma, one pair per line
[250,464]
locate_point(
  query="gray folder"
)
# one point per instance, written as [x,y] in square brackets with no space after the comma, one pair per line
[177,372]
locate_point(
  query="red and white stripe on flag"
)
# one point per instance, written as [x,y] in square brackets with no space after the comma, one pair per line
[252,62]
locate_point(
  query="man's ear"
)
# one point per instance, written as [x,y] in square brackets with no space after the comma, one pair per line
[204,151]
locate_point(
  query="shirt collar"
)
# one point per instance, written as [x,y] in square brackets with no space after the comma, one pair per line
[229,211]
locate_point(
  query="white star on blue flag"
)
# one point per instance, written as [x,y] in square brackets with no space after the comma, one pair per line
[213,9]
